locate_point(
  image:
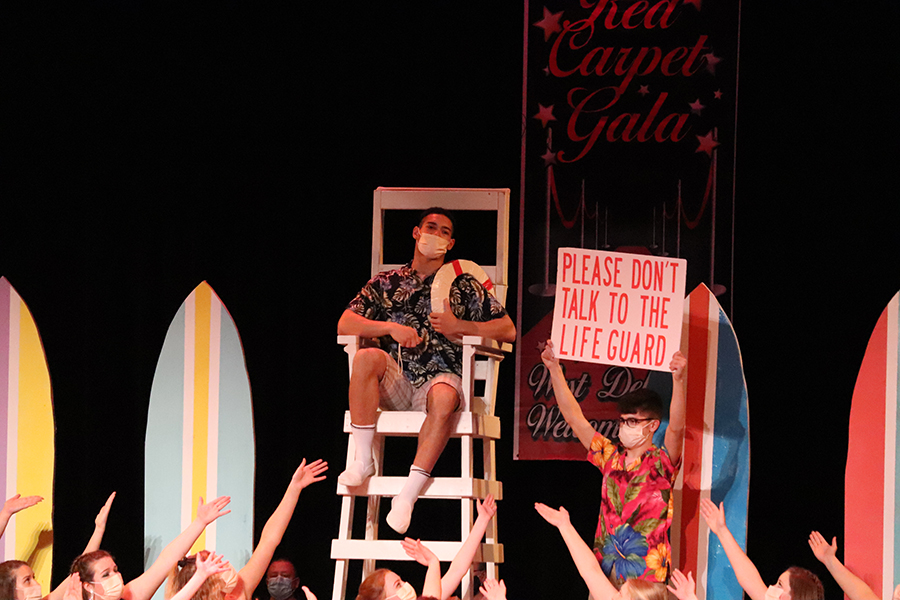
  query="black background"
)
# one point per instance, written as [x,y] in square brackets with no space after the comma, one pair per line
[148,146]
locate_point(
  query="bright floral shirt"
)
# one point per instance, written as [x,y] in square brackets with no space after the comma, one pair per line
[632,539]
[403,297]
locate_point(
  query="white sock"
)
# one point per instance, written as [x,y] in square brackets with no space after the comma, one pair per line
[363,439]
[402,504]
[417,479]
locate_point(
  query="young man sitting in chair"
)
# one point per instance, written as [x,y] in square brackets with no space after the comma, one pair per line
[419,364]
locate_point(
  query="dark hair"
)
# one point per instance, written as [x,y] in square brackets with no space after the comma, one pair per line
[639,401]
[805,585]
[8,571]
[372,587]
[84,566]
[437,210]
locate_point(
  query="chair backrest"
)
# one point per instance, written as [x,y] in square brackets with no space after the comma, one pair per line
[457,200]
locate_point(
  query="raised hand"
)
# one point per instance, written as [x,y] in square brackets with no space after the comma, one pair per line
[211,565]
[307,474]
[548,356]
[18,502]
[555,517]
[418,552]
[682,586]
[309,594]
[207,513]
[823,550]
[488,508]
[678,365]
[713,515]
[100,519]
[493,589]
[72,587]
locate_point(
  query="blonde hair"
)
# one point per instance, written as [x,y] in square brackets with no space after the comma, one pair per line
[212,589]
[641,589]
[372,587]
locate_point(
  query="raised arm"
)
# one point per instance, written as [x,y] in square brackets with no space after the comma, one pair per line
[744,569]
[582,555]
[674,441]
[250,576]
[146,585]
[565,400]
[682,586]
[853,586]
[463,559]
[14,505]
[99,525]
[422,555]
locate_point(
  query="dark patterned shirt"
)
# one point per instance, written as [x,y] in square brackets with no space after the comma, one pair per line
[401,296]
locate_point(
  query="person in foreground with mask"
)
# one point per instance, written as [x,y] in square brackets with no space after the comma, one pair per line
[638,476]
[384,584]
[100,577]
[794,584]
[419,363]
[17,581]
[239,585]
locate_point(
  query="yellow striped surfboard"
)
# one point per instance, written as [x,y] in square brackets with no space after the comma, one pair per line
[26,435]
[200,438]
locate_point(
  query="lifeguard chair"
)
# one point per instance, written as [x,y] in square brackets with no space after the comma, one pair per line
[474,421]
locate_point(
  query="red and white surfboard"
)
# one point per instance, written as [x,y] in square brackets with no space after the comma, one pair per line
[871,529]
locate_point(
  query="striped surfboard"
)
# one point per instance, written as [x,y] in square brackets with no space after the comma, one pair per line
[871,492]
[27,435]
[716,459]
[200,432]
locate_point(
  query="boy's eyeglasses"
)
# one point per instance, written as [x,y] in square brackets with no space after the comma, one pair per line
[632,422]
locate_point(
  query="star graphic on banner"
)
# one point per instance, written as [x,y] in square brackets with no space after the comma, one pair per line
[549,157]
[711,61]
[696,107]
[718,94]
[644,90]
[544,114]
[696,3]
[550,23]
[707,143]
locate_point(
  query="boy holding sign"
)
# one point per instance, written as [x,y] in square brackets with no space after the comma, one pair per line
[632,539]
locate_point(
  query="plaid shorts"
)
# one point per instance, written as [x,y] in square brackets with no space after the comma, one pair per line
[397,393]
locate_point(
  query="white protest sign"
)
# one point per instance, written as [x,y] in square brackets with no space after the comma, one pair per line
[618,309]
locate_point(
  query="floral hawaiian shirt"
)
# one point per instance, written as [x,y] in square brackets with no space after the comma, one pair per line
[403,297]
[632,539]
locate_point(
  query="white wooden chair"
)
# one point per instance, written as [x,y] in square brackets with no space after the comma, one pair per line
[476,420]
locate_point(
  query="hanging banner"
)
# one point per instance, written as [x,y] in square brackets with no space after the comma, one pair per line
[628,112]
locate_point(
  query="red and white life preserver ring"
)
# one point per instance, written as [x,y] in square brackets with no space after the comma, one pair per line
[446,275]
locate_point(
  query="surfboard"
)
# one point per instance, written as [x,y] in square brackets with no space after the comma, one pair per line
[200,439]
[716,459]
[27,434]
[871,529]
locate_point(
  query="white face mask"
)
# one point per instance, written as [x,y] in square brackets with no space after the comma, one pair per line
[432,246]
[774,592]
[32,592]
[406,592]
[632,437]
[112,588]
